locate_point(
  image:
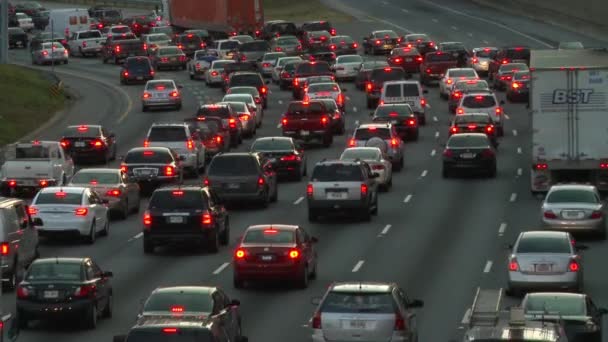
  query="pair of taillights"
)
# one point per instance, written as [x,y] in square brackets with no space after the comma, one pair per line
[487,153]
[81,211]
[242,253]
[173,94]
[498,110]
[43,183]
[573,266]
[126,73]
[310,190]
[353,143]
[489,129]
[553,216]
[168,170]
[206,219]
[261,181]
[84,291]
[96,143]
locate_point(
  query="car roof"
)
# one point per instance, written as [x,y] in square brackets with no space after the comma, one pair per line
[477,49]
[377,125]
[581,296]
[89,126]
[338,161]
[586,187]
[236,154]
[363,148]
[60,260]
[155,148]
[480,93]
[542,234]
[168,124]
[273,139]
[99,170]
[186,289]
[402,82]
[66,189]
[362,287]
[285,227]
[161,80]
[460,69]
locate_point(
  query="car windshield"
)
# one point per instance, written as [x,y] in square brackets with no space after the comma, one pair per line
[82,131]
[272,145]
[393,110]
[260,45]
[167,134]
[463,73]
[54,271]
[486,53]
[321,87]
[337,173]
[367,133]
[563,305]
[59,197]
[233,166]
[189,301]
[269,236]
[460,141]
[89,34]
[158,37]
[169,51]
[513,67]
[90,177]
[230,45]
[439,57]
[148,157]
[464,119]
[300,108]
[479,101]
[349,59]
[572,196]
[177,335]
[160,85]
[543,244]
[360,153]
[358,302]
[238,98]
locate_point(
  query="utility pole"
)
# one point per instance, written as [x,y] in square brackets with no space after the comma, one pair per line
[52,47]
[3,31]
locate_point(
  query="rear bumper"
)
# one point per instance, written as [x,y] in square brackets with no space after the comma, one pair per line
[338,205]
[319,336]
[575,226]
[258,196]
[137,78]
[142,180]
[87,153]
[164,238]
[90,49]
[259,271]
[312,135]
[33,310]
[481,164]
[162,102]
[519,281]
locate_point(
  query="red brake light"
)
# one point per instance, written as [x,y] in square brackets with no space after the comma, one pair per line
[124,168]
[170,330]
[117,48]
[399,322]
[270,231]
[85,291]
[316,320]
[169,171]
[454,130]
[240,253]
[113,192]
[4,248]
[207,219]
[460,111]
[218,139]
[498,110]
[263,90]
[505,61]
[81,211]
[261,181]
[541,166]
[378,42]
[147,95]
[83,128]
[352,143]
[146,144]
[284,121]
[597,214]
[22,292]
[475,60]
[309,190]
[206,181]
[125,73]
[244,117]
[291,157]
[369,86]
[515,85]
[448,153]
[378,167]
[64,143]
[513,265]
[387,69]
[32,210]
[324,120]
[294,254]
[355,45]
[472,126]
[419,59]
[43,183]
[97,143]
[174,94]
[232,123]
[411,122]
[449,81]
[147,219]
[60,194]
[423,102]
[364,189]
[177,309]
[190,144]
[397,60]
[394,142]
[573,266]
[489,129]
[549,215]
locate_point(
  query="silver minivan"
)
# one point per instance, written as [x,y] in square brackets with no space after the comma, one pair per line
[18,240]
[409,92]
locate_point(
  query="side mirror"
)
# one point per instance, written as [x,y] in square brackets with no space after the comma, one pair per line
[107,274]
[425,91]
[314,239]
[315,300]
[179,86]
[416,303]
[37,222]
[581,247]
[105,201]
[119,338]
[235,302]
[502,102]
[602,311]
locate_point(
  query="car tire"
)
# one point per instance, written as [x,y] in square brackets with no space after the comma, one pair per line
[90,239]
[106,229]
[225,235]
[397,166]
[107,311]
[237,282]
[492,172]
[90,320]
[375,210]
[148,246]
[328,140]
[22,321]
[601,235]
[313,274]
[213,244]
[415,136]
[341,130]
[116,60]
[302,281]
[178,107]
[124,213]
[144,109]
[297,176]
[312,216]
[275,196]
[501,131]
[366,216]
[191,77]
[370,104]
[445,172]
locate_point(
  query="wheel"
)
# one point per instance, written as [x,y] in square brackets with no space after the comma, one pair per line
[22,321]
[237,282]
[107,311]
[65,62]
[225,235]
[312,216]
[275,196]
[415,137]
[313,274]
[106,229]
[297,176]
[90,239]
[178,107]
[213,244]
[116,60]
[500,131]
[327,140]
[445,173]
[191,76]
[370,104]
[366,216]
[265,199]
[397,166]
[12,282]
[492,172]
[148,246]
[90,321]
[302,281]
[305,172]
[375,210]
[144,108]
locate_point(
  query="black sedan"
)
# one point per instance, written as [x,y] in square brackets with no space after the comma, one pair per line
[89,142]
[469,151]
[401,116]
[474,123]
[55,288]
[286,157]
[17,38]
[136,69]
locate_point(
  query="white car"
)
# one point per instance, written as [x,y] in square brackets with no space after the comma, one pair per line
[49,53]
[276,71]
[481,58]
[453,75]
[347,66]
[213,76]
[179,137]
[326,91]
[269,60]
[376,159]
[250,101]
[109,31]
[242,38]
[155,40]
[76,210]
[25,22]
[247,117]
[483,102]
[161,93]
[223,49]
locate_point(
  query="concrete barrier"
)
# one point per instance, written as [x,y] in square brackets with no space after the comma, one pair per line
[584,16]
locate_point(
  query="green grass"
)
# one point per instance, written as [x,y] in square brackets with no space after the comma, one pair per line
[26,102]
[302,10]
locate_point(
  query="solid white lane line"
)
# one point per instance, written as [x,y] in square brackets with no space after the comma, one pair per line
[454,28]
[408,198]
[513,197]
[488,267]
[519,150]
[356,123]
[348,98]
[279,126]
[221,268]
[354,109]
[507,117]
[502,228]
[519,171]
[437,134]
[433,152]
[404,10]
[138,235]
[299,200]
[386,229]
[435,119]
[358,266]
[514,132]
[424,173]
[280,101]
[435,20]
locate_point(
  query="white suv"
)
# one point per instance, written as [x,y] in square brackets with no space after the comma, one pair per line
[409,92]
[483,102]
[181,138]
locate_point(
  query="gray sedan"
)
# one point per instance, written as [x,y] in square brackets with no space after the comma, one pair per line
[48,53]
[576,208]
[545,260]
[161,93]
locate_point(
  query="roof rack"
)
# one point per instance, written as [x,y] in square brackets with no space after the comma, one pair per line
[486,307]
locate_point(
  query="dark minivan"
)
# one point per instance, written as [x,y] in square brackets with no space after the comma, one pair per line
[136,70]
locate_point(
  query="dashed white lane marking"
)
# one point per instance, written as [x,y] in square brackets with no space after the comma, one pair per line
[280,101]
[488,267]
[437,134]
[386,229]
[408,198]
[354,109]
[514,132]
[433,152]
[356,123]
[454,28]
[279,126]
[486,42]
[348,98]
[513,197]
[404,10]
[470,34]
[435,119]
[299,200]
[465,318]
[502,229]
[424,173]
[305,325]
[221,268]
[358,266]
[519,171]
[507,117]
[199,98]
[519,150]
[435,20]
[138,235]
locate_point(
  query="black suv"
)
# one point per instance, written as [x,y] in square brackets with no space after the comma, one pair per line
[316,26]
[136,70]
[151,166]
[251,52]
[185,215]
[242,177]
[229,119]
[277,28]
[189,43]
[377,77]
[250,79]
[17,37]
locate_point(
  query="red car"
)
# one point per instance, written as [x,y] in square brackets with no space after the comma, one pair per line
[275,252]
[407,58]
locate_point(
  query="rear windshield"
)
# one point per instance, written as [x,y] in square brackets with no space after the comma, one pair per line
[316,87]
[269,236]
[272,145]
[409,90]
[190,302]
[167,134]
[439,57]
[563,305]
[291,66]
[141,62]
[374,64]
[177,199]
[190,39]
[284,28]
[158,37]
[360,153]
[478,101]
[398,110]
[486,53]
[150,156]
[89,34]
[170,51]
[518,53]
[160,85]
[284,61]
[299,108]
[385,34]
[366,133]
[254,46]
[59,197]
[233,166]
[237,98]
[572,196]
[342,40]
[543,244]
[33,152]
[330,104]
[521,76]
[452,47]
[463,73]
[337,173]
[418,37]
[229,45]
[82,131]
[238,106]
[221,64]
[381,75]
[313,68]
[180,335]
[87,177]
[350,59]
[358,302]
[54,271]
[459,141]
[404,52]
[123,29]
[475,85]
[246,79]
[513,67]
[472,119]
[122,37]
[320,26]
[273,56]
[244,90]
[220,112]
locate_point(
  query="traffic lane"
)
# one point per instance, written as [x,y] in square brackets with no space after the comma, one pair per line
[126,12]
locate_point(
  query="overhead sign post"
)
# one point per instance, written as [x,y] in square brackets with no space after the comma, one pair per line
[3,31]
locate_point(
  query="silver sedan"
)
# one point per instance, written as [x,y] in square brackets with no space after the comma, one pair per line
[161,93]
[576,208]
[48,53]
[377,161]
[545,260]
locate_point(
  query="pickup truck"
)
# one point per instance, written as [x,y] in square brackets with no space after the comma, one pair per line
[308,121]
[84,43]
[119,47]
[308,69]
[435,65]
[34,165]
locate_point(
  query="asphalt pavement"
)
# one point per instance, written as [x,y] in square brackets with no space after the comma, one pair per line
[438,238]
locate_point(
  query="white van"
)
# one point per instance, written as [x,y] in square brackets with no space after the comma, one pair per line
[64,22]
[409,92]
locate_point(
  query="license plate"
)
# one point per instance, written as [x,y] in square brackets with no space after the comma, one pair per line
[337,195]
[145,172]
[173,59]
[408,59]
[160,95]
[388,46]
[467,155]
[234,186]
[79,144]
[394,122]
[267,257]
[574,214]
[305,133]
[139,78]
[543,268]
[51,294]
[357,324]
[176,219]
[455,54]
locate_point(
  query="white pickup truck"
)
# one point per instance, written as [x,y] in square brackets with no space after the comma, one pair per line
[82,43]
[34,165]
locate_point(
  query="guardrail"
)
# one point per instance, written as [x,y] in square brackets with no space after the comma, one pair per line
[141,4]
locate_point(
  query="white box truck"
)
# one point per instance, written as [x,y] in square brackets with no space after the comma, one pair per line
[63,22]
[569,104]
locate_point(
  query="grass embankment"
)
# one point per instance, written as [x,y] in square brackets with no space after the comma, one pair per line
[26,102]
[302,10]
